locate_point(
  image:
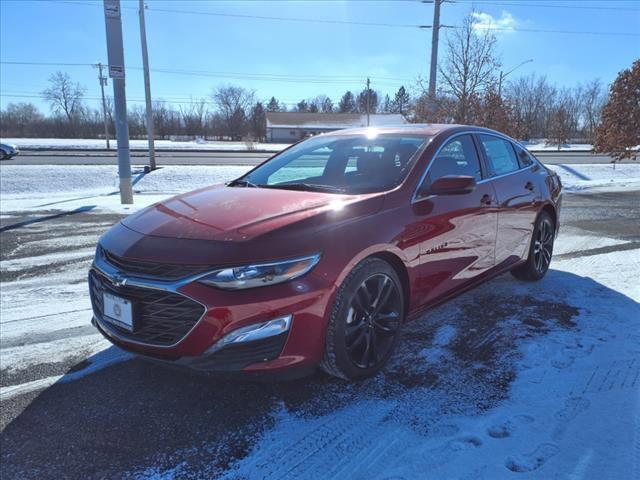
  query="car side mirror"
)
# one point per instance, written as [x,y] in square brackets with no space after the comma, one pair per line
[452,185]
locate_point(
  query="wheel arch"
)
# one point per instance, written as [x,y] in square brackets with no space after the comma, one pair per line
[401,270]
[550,209]
[390,254]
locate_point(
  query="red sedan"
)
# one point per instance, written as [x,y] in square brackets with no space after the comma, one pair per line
[320,254]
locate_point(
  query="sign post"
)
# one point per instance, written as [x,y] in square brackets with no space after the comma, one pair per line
[115,53]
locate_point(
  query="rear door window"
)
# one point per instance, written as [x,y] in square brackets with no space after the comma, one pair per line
[500,154]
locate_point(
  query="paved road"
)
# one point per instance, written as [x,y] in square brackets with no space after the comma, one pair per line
[61,157]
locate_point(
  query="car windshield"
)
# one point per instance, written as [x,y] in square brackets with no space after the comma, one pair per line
[339,164]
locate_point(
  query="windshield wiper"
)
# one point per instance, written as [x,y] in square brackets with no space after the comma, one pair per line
[306,187]
[242,183]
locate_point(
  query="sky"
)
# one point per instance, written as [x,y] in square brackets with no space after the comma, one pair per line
[195,46]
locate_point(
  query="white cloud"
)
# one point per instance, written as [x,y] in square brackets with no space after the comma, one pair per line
[486,21]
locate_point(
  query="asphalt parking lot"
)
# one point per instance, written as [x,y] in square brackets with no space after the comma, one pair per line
[133,419]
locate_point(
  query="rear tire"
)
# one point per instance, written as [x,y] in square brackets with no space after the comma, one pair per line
[365,321]
[540,250]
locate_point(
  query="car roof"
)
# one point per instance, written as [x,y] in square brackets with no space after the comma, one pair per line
[425,129]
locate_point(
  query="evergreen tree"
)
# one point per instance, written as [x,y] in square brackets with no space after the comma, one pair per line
[387,105]
[347,103]
[302,106]
[258,122]
[273,105]
[327,105]
[372,99]
[401,101]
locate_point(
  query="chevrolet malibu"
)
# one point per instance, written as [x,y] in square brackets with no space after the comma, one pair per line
[319,255]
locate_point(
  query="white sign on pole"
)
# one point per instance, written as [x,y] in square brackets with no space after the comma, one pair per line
[111,9]
[116,71]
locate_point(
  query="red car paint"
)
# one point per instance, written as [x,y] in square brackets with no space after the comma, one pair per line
[440,245]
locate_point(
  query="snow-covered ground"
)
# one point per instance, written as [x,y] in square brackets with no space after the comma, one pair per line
[38,187]
[543,146]
[572,411]
[99,144]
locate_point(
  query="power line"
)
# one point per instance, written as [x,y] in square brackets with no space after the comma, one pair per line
[267,17]
[374,24]
[291,78]
[545,5]
[346,22]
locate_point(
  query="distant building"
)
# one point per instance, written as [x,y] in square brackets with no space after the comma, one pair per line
[288,127]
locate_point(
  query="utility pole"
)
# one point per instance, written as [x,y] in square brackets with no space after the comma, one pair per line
[368,99]
[147,88]
[115,53]
[435,35]
[103,83]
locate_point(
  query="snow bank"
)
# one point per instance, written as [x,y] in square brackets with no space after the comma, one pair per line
[99,144]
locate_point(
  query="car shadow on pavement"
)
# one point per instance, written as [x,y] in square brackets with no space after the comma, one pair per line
[134,418]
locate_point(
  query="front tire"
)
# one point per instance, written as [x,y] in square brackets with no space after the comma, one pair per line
[540,251]
[365,321]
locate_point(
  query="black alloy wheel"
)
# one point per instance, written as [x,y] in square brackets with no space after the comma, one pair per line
[540,250]
[373,319]
[543,245]
[365,321]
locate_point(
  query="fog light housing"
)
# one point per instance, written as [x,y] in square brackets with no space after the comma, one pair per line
[251,333]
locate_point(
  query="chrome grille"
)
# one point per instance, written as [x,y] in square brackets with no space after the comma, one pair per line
[160,317]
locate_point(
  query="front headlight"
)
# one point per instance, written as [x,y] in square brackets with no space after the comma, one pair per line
[260,275]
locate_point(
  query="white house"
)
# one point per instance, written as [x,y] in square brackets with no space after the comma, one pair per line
[286,127]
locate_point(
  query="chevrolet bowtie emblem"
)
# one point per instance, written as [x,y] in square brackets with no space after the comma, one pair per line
[119,280]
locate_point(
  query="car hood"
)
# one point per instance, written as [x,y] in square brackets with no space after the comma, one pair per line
[238,213]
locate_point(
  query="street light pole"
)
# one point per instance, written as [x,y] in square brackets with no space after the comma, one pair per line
[503,75]
[147,88]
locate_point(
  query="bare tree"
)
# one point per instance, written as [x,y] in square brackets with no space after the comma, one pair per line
[20,120]
[470,66]
[322,103]
[194,117]
[65,97]
[593,100]
[560,126]
[234,104]
[531,98]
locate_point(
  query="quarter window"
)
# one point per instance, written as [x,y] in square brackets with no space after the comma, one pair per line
[500,153]
[524,157]
[458,157]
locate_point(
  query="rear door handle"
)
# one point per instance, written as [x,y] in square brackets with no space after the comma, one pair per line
[486,200]
[529,186]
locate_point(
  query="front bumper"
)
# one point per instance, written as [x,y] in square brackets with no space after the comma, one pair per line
[179,322]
